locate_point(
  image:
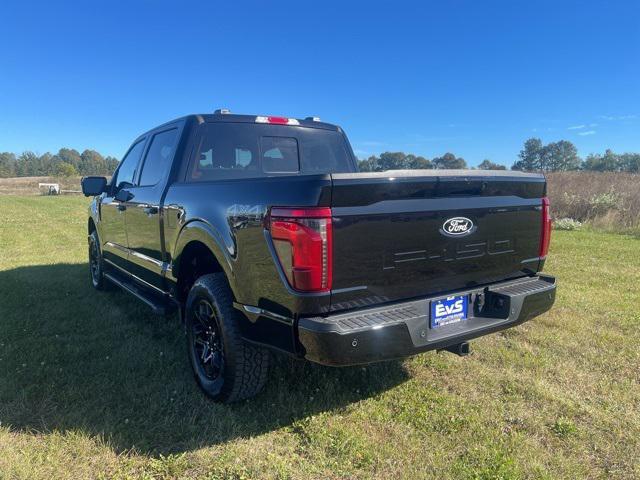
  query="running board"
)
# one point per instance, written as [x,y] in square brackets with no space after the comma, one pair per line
[158,304]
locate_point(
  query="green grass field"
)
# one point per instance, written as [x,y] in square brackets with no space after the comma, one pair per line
[94,386]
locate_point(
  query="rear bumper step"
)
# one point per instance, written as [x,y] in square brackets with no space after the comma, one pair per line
[400,330]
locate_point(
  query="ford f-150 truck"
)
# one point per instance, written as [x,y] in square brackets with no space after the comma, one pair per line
[261,234]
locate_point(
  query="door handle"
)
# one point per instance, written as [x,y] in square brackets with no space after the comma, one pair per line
[151,210]
[121,207]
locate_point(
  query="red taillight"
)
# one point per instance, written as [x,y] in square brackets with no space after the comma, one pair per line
[545,237]
[302,238]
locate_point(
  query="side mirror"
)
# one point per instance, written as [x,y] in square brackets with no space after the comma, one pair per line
[92,186]
[123,195]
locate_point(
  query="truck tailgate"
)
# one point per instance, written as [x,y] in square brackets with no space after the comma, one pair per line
[405,234]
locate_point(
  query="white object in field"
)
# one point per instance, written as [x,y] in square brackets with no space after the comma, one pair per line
[51,188]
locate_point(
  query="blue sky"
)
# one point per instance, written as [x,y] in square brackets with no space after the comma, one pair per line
[475,78]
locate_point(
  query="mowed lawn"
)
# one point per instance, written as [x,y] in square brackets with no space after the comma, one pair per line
[94,386]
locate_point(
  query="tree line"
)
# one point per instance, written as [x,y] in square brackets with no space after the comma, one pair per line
[66,163]
[558,156]
[400,160]
[534,156]
[563,156]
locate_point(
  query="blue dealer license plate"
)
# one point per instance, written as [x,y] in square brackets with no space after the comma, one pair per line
[446,311]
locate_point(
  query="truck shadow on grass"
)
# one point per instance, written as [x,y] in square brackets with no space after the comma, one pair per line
[100,364]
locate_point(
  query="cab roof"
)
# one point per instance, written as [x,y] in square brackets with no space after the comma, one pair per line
[221,116]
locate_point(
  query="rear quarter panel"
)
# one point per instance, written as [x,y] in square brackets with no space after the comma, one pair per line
[229,217]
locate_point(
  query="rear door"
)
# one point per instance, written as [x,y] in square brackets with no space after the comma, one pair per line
[405,234]
[112,212]
[143,215]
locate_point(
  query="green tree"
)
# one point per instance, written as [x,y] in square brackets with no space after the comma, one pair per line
[487,164]
[554,157]
[92,163]
[46,165]
[608,162]
[70,155]
[530,156]
[449,160]
[393,161]
[7,165]
[368,165]
[64,169]
[418,163]
[560,156]
[612,162]
[592,162]
[630,162]
[111,164]
[28,165]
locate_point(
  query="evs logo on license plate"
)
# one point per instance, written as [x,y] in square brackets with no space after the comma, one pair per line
[449,310]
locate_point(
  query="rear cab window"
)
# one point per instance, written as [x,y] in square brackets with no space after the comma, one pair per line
[246,150]
[280,155]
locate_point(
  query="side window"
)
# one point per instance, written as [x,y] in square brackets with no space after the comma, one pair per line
[127,171]
[280,155]
[159,156]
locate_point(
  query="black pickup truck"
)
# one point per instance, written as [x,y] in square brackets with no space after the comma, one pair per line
[261,234]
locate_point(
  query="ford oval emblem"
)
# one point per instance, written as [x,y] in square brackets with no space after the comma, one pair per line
[457,227]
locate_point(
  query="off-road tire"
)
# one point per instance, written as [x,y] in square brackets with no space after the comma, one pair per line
[96,264]
[245,366]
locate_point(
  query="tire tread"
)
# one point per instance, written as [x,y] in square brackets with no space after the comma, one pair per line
[248,364]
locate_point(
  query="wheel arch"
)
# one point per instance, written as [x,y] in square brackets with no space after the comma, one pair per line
[198,252]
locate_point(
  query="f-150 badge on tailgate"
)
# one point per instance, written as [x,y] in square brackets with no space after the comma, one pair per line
[457,227]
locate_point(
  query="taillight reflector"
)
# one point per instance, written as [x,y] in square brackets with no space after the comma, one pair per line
[545,237]
[302,238]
